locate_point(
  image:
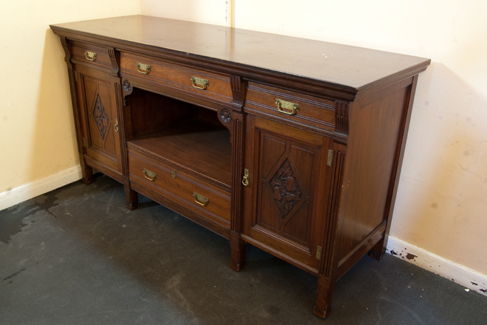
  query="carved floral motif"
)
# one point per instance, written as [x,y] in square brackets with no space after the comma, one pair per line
[101,117]
[286,191]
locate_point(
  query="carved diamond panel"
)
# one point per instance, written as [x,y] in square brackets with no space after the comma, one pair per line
[101,117]
[286,191]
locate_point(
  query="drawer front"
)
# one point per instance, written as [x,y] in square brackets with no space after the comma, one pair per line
[92,54]
[290,107]
[204,199]
[197,82]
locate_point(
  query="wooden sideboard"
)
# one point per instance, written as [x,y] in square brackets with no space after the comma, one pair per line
[292,145]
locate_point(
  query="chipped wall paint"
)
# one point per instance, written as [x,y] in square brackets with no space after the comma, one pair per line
[466,277]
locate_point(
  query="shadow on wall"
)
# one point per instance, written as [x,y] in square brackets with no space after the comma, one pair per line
[54,147]
[441,202]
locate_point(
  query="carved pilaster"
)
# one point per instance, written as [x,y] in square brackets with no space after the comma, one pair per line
[341,116]
[86,170]
[114,60]
[237,245]
[328,265]
[238,90]
[67,52]
[328,262]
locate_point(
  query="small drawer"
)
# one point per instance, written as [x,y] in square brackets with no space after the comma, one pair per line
[198,82]
[91,54]
[204,199]
[290,106]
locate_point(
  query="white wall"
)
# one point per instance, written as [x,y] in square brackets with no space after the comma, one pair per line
[37,137]
[442,200]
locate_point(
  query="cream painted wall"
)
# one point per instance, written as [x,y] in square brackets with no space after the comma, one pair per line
[442,199]
[37,137]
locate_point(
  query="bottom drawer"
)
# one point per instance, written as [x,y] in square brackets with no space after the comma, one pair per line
[204,199]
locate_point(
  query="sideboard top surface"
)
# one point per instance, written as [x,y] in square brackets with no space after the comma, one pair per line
[347,67]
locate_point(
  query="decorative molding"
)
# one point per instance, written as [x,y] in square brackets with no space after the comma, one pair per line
[341,116]
[237,140]
[285,189]
[127,90]
[67,52]
[464,276]
[31,190]
[329,261]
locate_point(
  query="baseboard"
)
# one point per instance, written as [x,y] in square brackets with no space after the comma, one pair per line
[466,277]
[39,187]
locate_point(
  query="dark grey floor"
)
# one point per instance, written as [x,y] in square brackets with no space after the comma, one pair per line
[78,256]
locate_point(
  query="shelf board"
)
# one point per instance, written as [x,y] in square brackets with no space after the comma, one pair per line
[195,147]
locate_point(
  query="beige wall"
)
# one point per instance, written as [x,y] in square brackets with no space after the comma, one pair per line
[442,200]
[37,137]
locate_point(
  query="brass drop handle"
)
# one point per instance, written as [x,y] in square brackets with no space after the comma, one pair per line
[287,107]
[245,179]
[200,199]
[90,56]
[143,68]
[199,83]
[115,126]
[151,176]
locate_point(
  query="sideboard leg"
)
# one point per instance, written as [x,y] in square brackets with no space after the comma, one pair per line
[237,247]
[131,198]
[324,296]
[378,251]
[87,173]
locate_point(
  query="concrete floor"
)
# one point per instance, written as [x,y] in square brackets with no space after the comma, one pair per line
[78,256]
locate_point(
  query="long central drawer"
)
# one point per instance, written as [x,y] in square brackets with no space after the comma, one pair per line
[204,199]
[196,82]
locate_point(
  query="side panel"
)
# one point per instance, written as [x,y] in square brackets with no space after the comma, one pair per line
[376,128]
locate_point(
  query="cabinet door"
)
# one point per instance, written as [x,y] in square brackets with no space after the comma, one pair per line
[286,200]
[98,110]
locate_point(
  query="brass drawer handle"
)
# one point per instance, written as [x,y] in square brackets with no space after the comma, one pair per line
[143,68]
[200,199]
[151,176]
[287,107]
[90,56]
[204,83]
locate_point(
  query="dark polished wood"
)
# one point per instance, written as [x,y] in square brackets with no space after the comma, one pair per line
[345,68]
[292,145]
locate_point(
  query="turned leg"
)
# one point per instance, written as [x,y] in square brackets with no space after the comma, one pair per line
[324,296]
[237,247]
[87,173]
[131,197]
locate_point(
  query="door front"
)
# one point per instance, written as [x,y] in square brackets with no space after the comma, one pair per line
[285,202]
[96,94]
